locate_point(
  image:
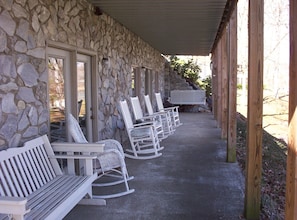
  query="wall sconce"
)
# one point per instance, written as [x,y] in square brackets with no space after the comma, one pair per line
[105,61]
[97,11]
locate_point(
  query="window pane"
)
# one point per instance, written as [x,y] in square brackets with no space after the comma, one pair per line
[133,83]
[56,97]
[81,92]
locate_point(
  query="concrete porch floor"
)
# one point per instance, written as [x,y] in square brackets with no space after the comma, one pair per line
[191,180]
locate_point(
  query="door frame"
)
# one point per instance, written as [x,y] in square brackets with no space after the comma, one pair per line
[71,91]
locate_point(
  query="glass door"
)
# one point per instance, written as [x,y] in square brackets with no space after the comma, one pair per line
[59,101]
[84,97]
[69,82]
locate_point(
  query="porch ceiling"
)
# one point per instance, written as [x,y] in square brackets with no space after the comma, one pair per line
[173,27]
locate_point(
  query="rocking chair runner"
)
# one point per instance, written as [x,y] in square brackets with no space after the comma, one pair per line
[143,137]
[156,120]
[165,116]
[173,111]
[109,163]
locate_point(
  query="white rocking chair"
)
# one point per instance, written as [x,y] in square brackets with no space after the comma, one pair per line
[165,116]
[154,119]
[110,163]
[143,137]
[173,111]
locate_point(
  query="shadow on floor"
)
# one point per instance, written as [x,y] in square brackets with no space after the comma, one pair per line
[191,180]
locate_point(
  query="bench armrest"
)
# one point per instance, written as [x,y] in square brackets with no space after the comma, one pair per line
[75,156]
[78,147]
[13,205]
[85,152]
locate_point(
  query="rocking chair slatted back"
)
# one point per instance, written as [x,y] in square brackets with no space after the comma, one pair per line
[143,137]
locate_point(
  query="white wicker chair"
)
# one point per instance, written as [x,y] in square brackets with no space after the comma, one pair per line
[173,111]
[165,116]
[156,120]
[111,163]
[143,137]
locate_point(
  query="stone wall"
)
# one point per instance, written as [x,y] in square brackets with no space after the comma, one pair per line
[25,28]
[174,81]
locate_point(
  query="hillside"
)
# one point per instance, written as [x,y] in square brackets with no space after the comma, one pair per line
[274,170]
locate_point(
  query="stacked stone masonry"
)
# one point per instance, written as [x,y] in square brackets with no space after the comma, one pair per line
[25,28]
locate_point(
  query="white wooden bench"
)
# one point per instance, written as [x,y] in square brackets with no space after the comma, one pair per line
[187,97]
[33,186]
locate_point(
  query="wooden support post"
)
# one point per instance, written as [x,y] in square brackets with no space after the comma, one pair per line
[231,140]
[291,176]
[224,83]
[219,85]
[255,111]
[214,82]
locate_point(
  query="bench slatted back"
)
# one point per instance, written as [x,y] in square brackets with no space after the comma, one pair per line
[187,97]
[27,168]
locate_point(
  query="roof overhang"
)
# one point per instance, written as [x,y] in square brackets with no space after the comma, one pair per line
[173,27]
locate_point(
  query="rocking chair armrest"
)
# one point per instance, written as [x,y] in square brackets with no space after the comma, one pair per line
[152,117]
[174,108]
[158,114]
[149,117]
[143,124]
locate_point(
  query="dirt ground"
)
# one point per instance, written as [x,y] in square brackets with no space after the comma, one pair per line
[275,114]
